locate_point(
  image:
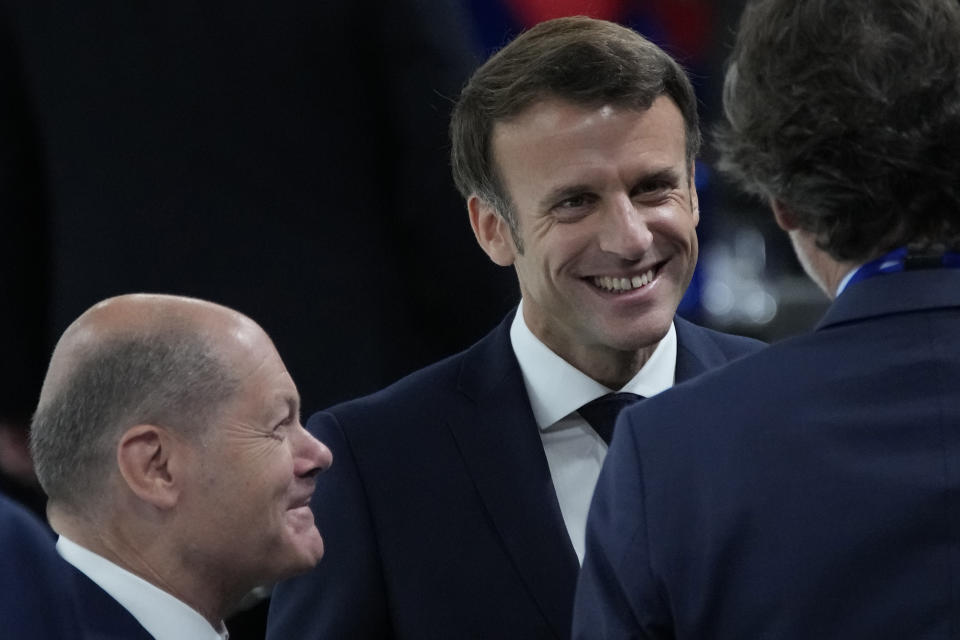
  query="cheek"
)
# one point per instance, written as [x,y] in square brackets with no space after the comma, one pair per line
[564,250]
[261,480]
[677,225]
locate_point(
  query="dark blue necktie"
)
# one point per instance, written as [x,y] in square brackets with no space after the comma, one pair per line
[602,413]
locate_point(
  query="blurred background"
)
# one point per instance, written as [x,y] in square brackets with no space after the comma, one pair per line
[290,159]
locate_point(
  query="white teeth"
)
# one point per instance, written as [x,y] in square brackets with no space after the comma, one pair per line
[623,284]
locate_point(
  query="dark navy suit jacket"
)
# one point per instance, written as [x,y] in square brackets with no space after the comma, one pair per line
[99,616]
[439,512]
[33,577]
[811,490]
[45,597]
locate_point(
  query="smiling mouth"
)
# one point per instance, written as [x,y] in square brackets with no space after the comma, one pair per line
[303,501]
[622,284]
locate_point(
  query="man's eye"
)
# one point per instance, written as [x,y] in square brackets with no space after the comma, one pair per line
[280,430]
[574,207]
[654,186]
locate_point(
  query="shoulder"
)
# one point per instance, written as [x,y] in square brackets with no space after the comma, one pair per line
[419,389]
[757,380]
[32,540]
[16,523]
[34,579]
[693,336]
[429,393]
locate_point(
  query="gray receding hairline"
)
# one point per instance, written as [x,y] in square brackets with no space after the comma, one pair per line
[173,376]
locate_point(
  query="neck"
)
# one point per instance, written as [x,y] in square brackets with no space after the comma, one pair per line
[827,272]
[149,557]
[610,367]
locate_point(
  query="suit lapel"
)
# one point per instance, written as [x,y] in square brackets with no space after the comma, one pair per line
[500,444]
[501,447]
[696,352]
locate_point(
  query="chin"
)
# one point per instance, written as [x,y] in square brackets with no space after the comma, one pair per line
[295,563]
[636,339]
[308,552]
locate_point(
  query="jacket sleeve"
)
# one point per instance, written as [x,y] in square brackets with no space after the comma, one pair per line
[344,596]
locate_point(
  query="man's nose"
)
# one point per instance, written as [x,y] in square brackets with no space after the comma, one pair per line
[310,455]
[624,229]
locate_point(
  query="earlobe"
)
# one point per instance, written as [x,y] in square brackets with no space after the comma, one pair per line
[144,456]
[785,218]
[491,231]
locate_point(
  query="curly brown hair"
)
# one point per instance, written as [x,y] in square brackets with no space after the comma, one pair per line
[848,112]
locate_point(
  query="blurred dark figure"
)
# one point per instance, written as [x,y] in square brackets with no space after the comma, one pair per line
[286,159]
[34,580]
[290,162]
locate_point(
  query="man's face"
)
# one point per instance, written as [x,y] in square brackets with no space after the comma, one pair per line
[607,214]
[256,474]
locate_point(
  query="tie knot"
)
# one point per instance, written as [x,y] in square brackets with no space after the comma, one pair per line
[602,413]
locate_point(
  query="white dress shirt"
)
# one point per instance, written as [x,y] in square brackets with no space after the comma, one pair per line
[557,390]
[162,615]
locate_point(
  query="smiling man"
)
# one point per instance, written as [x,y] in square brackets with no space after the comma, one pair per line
[467,483]
[169,441]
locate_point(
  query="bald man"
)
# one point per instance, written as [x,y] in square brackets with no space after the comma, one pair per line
[179,477]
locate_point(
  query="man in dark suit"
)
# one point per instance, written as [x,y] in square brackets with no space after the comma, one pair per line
[810,491]
[168,440]
[461,491]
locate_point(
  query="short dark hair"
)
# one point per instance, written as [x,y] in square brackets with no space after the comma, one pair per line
[170,378]
[848,113]
[578,59]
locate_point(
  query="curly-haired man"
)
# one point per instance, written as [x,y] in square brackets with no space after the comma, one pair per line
[812,490]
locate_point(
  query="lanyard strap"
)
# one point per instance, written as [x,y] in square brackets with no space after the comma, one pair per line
[902,260]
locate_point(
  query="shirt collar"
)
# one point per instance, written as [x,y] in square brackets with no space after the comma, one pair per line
[846,280]
[162,615]
[556,388]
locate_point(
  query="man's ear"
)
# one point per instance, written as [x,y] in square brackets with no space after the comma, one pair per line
[785,218]
[146,458]
[492,231]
